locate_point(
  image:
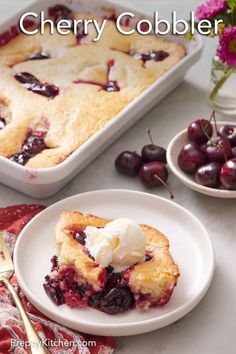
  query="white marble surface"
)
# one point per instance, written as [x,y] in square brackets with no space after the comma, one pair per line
[210,327]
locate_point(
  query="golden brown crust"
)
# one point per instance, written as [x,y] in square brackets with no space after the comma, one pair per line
[160,274]
[70,252]
[21,47]
[153,278]
[80,110]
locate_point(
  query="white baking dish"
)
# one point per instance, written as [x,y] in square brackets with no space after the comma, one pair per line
[42,183]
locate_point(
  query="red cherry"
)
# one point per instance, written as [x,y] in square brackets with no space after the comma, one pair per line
[234,151]
[2,122]
[36,86]
[218,150]
[228,132]
[33,145]
[148,171]
[228,174]
[208,175]
[203,147]
[190,158]
[128,163]
[154,174]
[153,152]
[200,131]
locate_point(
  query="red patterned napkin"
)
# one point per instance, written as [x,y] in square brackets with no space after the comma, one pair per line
[12,221]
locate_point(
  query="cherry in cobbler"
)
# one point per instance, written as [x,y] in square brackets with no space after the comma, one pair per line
[34,143]
[64,286]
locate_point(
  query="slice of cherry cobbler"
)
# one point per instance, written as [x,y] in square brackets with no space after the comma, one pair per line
[112,266]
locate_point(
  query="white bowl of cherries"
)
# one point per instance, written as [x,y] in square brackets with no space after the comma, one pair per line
[203,157]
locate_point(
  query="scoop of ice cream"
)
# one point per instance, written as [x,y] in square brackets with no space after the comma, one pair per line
[121,244]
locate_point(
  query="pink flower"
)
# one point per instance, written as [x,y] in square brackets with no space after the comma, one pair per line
[210,9]
[227,46]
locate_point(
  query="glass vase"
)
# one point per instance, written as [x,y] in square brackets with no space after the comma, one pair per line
[223,87]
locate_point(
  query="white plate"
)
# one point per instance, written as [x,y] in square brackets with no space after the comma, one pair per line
[190,243]
[173,151]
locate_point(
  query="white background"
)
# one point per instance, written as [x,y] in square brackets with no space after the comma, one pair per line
[210,327]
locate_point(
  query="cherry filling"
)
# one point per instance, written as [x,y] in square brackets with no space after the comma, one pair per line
[159,55]
[54,262]
[7,36]
[80,33]
[109,86]
[38,56]
[33,145]
[2,123]
[148,256]
[59,12]
[64,288]
[79,236]
[10,34]
[116,300]
[126,21]
[112,17]
[33,84]
[116,297]
[53,290]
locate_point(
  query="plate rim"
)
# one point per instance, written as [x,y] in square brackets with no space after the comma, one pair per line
[167,318]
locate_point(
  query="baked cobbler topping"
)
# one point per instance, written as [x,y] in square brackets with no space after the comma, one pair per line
[109,86]
[35,85]
[53,71]
[143,301]
[33,145]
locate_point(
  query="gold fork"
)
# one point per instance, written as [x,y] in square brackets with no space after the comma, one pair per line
[6,271]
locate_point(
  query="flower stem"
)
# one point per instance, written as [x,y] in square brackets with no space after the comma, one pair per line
[221,82]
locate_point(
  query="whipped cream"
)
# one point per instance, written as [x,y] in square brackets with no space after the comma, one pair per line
[120,244]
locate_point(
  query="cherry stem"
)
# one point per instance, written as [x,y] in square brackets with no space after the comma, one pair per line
[165,185]
[223,152]
[205,131]
[150,136]
[213,115]
[216,129]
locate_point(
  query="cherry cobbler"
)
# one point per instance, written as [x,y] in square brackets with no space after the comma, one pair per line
[56,91]
[112,266]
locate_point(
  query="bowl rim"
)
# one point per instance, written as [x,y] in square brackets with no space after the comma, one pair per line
[184,176]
